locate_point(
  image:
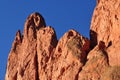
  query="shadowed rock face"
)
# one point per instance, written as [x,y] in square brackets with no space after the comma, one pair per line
[38,55]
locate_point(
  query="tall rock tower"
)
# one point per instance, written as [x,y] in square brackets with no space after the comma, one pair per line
[38,55]
[105,26]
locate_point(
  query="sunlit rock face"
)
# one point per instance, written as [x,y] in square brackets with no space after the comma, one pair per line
[105,26]
[36,54]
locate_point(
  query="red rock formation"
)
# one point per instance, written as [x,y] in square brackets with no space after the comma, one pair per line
[105,27]
[23,56]
[69,56]
[38,55]
[96,65]
[46,43]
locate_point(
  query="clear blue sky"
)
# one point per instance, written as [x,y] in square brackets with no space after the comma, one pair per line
[63,15]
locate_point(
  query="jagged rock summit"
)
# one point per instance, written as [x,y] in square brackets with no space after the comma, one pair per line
[38,55]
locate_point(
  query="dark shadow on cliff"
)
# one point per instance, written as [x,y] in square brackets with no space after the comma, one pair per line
[93,39]
[102,47]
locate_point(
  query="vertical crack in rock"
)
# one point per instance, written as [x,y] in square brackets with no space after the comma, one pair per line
[15,77]
[36,65]
[77,76]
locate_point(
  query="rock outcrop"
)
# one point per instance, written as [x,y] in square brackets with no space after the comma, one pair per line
[69,56]
[105,27]
[38,55]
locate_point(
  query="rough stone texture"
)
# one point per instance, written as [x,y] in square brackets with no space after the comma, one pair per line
[97,63]
[112,73]
[46,43]
[13,58]
[105,27]
[69,56]
[35,55]
[38,55]
[22,60]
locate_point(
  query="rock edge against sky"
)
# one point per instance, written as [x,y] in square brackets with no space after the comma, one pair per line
[38,55]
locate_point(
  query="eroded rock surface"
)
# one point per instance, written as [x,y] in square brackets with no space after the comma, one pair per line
[97,63]
[69,56]
[105,27]
[38,55]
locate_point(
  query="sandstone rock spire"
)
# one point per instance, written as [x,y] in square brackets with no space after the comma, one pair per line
[22,60]
[38,55]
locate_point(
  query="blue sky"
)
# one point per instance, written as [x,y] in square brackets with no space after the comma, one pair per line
[63,15]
